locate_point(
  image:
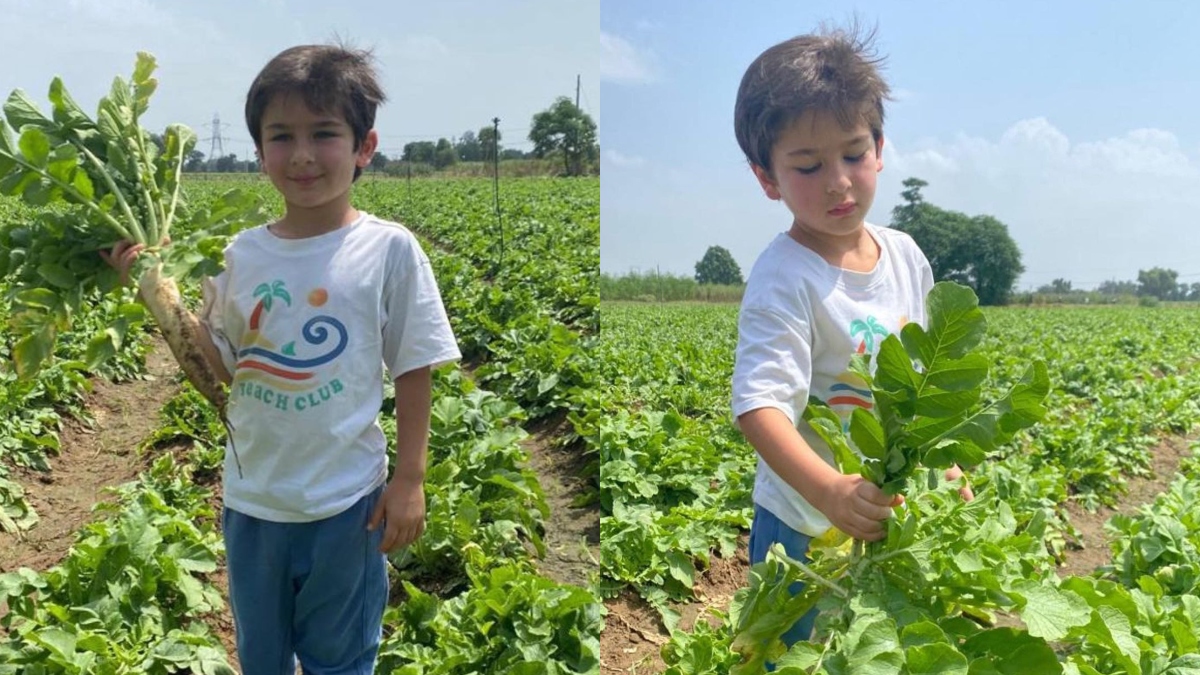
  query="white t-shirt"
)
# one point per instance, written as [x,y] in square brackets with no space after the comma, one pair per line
[800,322]
[306,328]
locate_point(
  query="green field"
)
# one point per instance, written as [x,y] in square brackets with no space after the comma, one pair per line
[478,593]
[984,589]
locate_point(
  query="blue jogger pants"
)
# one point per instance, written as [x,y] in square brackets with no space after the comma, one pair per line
[314,591]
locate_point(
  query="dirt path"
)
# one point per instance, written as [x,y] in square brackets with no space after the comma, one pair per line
[90,460]
[572,535]
[633,634]
[1091,550]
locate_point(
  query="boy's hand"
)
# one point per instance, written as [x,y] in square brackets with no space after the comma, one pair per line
[121,258]
[401,509]
[858,507]
[954,473]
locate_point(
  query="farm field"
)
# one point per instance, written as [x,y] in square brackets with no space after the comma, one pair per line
[1078,555]
[110,552]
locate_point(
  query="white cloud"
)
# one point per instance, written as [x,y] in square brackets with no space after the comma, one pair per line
[617,158]
[622,63]
[1083,210]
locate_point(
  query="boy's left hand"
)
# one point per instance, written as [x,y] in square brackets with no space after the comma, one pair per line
[401,509]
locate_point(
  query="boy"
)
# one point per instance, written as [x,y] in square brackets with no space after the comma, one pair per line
[302,321]
[809,118]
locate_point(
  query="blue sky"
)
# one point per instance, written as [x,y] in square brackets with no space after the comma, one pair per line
[447,67]
[1074,123]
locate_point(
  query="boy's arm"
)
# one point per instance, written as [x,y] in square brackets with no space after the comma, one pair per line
[209,348]
[402,507]
[853,504]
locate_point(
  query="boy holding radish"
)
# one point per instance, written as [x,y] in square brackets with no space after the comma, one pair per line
[809,118]
[308,313]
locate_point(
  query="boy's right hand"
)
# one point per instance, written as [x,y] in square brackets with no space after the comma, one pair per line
[121,258]
[858,507]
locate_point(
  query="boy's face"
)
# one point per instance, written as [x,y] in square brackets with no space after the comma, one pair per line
[824,173]
[309,156]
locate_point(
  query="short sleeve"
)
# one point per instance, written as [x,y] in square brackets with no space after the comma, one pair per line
[773,364]
[214,289]
[416,330]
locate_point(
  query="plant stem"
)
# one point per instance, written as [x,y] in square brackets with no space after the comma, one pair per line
[70,189]
[139,234]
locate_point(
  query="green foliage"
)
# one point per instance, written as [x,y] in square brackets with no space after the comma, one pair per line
[127,598]
[718,267]
[108,180]
[975,251]
[510,620]
[566,131]
[1158,283]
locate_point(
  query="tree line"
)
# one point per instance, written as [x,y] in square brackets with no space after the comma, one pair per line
[976,251]
[562,133]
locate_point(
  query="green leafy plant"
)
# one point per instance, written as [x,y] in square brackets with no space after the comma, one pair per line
[926,416]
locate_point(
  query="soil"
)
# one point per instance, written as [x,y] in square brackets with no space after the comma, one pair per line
[572,534]
[91,458]
[633,635]
[1091,550]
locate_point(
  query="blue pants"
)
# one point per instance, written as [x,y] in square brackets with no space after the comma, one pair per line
[314,590]
[767,530]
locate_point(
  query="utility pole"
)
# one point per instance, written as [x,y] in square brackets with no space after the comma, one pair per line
[577,92]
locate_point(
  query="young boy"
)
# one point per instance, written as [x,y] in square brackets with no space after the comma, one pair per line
[809,118]
[308,312]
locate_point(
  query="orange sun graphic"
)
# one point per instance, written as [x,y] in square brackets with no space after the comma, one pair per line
[317,297]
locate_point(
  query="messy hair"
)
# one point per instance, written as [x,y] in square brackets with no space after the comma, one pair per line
[331,79]
[833,70]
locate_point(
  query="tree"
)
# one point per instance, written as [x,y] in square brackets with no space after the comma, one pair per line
[378,161]
[973,251]
[1114,287]
[1158,282]
[489,140]
[419,151]
[444,155]
[563,129]
[194,162]
[227,164]
[468,147]
[718,267]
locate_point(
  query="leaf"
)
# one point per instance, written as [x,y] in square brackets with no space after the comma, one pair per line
[938,403]
[935,659]
[102,347]
[32,350]
[59,642]
[35,145]
[893,368]
[961,374]
[956,324]
[58,275]
[67,112]
[1050,613]
[828,426]
[21,111]
[867,434]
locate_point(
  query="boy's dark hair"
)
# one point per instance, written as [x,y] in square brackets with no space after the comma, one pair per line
[331,79]
[833,71]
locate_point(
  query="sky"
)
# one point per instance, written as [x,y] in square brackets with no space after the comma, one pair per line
[446,67]
[1074,123]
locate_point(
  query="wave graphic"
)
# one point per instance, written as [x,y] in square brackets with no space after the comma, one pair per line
[314,333]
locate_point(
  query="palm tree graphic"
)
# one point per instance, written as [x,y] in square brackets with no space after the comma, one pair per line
[265,293]
[869,329]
